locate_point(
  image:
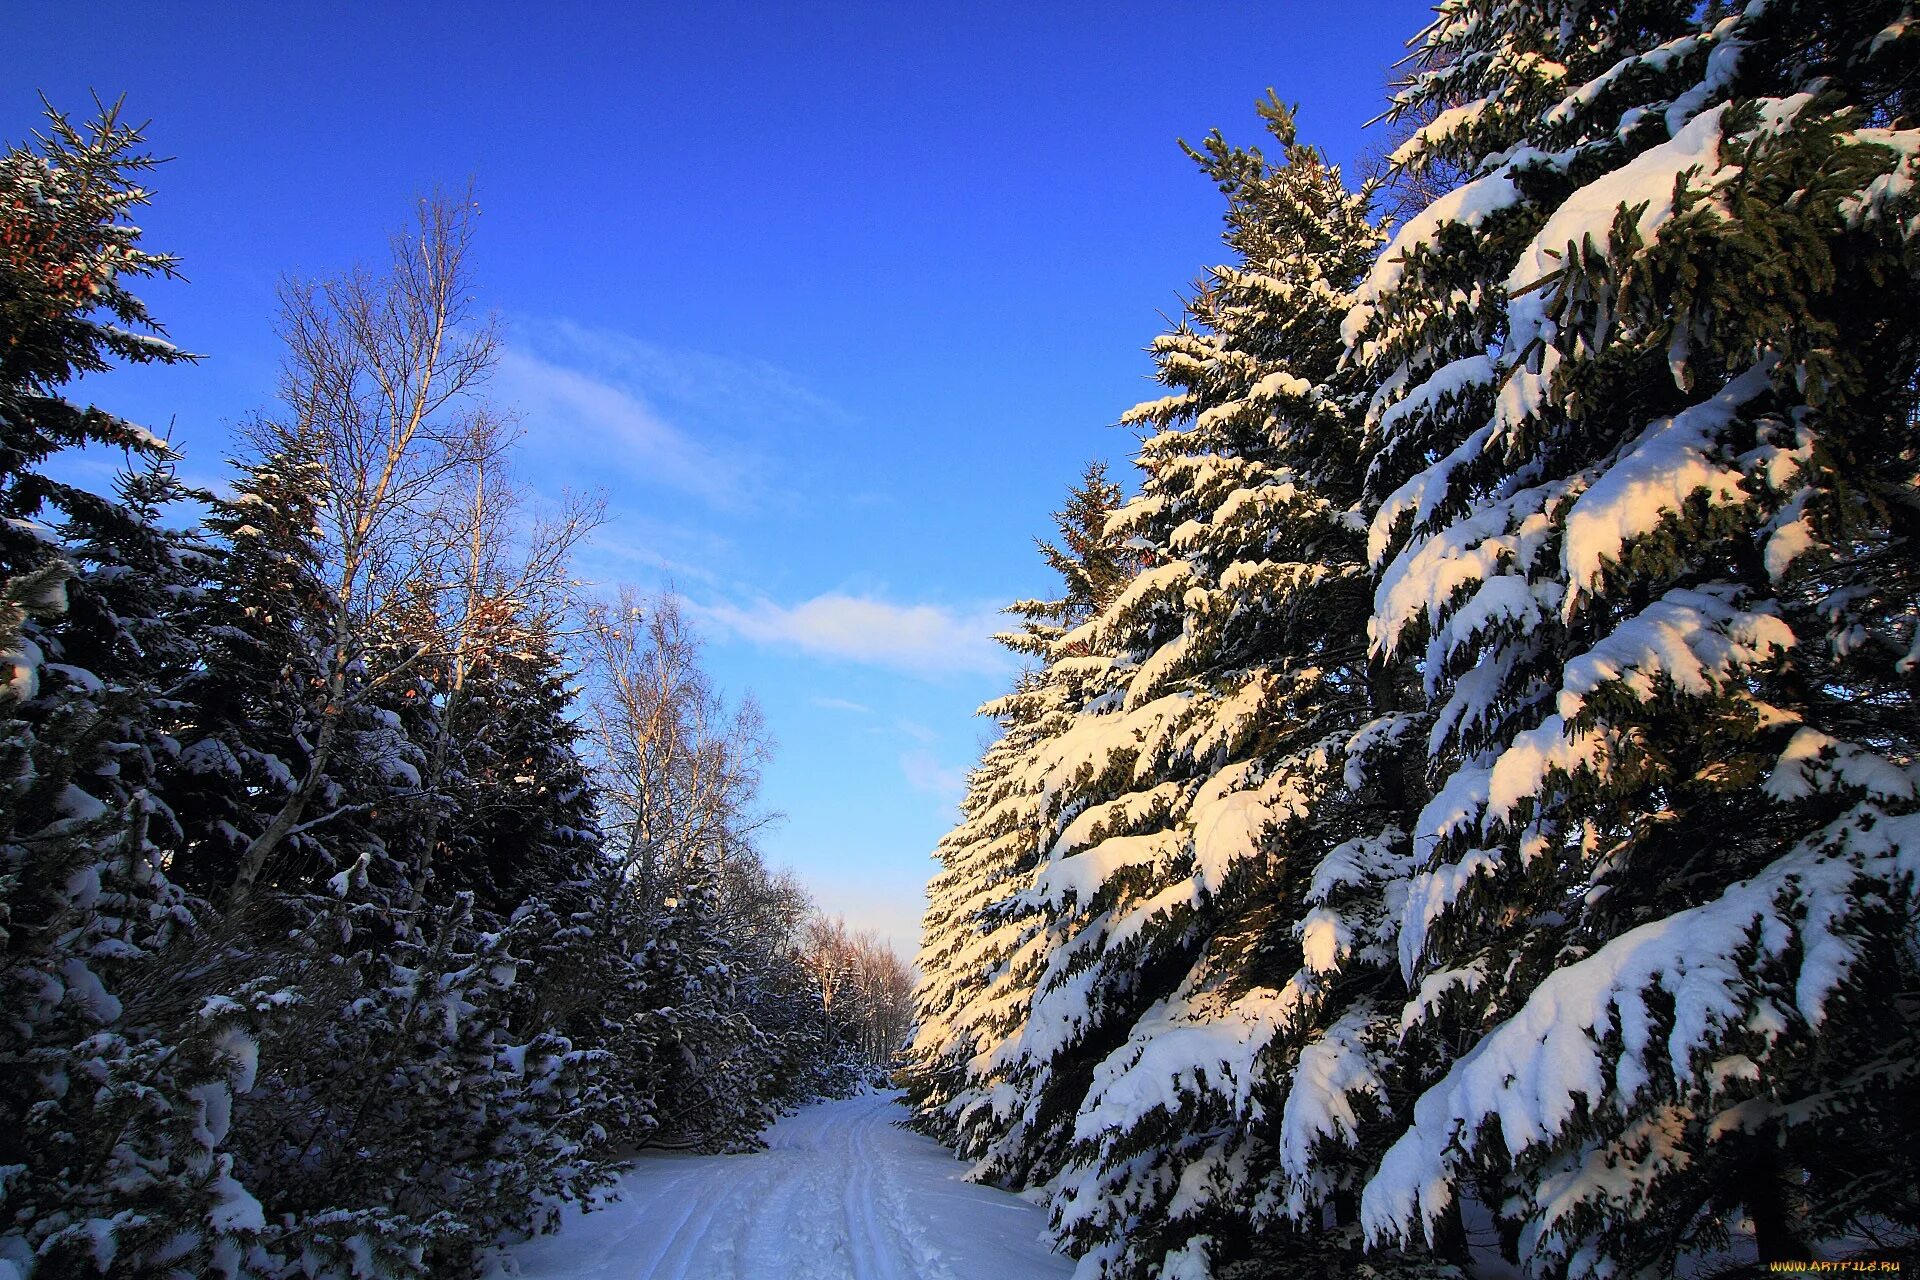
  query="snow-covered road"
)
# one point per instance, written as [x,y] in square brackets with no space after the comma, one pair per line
[841,1193]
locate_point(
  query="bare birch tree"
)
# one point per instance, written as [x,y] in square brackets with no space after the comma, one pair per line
[385,371]
[866,989]
[679,770]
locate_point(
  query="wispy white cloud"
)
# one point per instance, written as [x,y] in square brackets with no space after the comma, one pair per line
[925,773]
[668,554]
[600,403]
[725,392]
[917,731]
[841,704]
[603,426]
[924,639]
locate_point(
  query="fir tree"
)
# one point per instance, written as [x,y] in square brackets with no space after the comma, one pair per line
[68,256]
[978,958]
[262,627]
[521,802]
[704,1069]
[1094,565]
[116,1093]
[1643,514]
[1215,902]
[1208,923]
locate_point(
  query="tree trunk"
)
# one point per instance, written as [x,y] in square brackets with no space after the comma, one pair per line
[436,776]
[254,860]
[1764,1192]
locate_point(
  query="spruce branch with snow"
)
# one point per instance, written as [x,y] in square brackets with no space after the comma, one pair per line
[1642,406]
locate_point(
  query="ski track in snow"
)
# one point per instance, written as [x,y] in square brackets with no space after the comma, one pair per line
[841,1193]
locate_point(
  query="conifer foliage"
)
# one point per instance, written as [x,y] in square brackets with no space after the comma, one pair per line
[1219,695]
[981,943]
[1643,522]
[1483,831]
[107,1139]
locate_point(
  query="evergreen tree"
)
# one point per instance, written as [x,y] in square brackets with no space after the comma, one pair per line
[261,624]
[113,1110]
[419,1099]
[1643,488]
[1217,933]
[518,808]
[68,256]
[704,1069]
[1093,563]
[414,1109]
[1209,914]
[971,936]
[978,957]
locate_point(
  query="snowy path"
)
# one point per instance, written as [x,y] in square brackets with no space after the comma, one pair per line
[840,1194]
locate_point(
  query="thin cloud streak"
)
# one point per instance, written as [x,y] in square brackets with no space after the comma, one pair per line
[917,731]
[841,704]
[922,639]
[605,425]
[672,554]
[925,773]
[742,394]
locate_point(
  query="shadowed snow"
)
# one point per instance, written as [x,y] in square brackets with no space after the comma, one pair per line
[841,1193]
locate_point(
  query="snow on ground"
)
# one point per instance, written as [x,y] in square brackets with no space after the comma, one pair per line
[841,1193]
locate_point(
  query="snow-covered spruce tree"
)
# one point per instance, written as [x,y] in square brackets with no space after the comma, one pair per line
[114,1102]
[962,955]
[261,626]
[69,255]
[767,915]
[977,960]
[414,1110]
[705,1070]
[417,1100]
[1199,1046]
[1644,482]
[522,821]
[1093,563]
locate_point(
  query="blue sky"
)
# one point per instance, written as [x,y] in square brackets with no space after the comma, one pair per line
[833,301]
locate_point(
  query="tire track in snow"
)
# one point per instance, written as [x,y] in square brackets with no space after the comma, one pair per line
[603,1259]
[896,1231]
[674,1192]
[872,1260]
[694,1251]
[840,1194]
